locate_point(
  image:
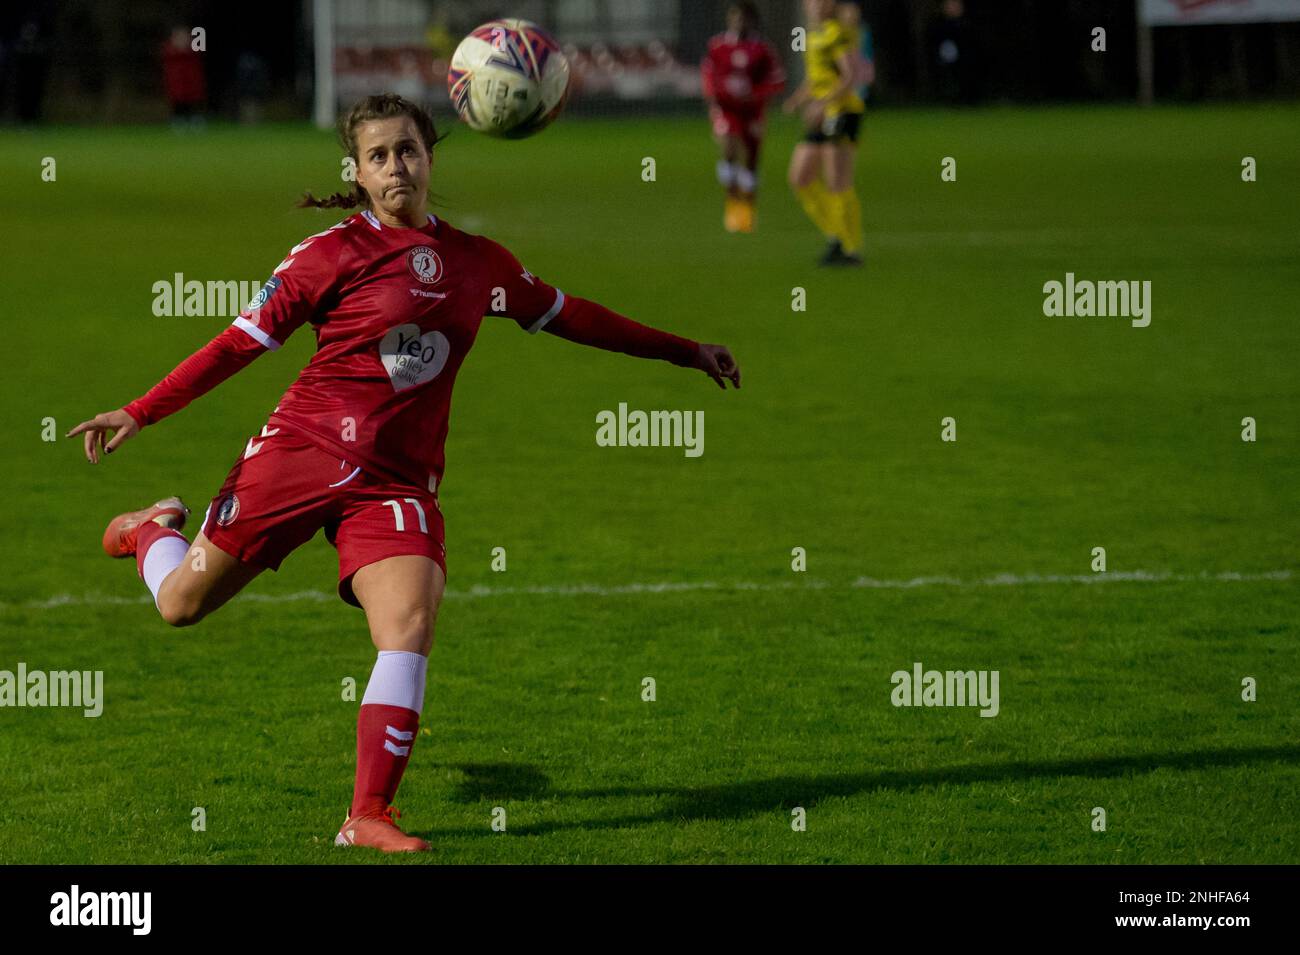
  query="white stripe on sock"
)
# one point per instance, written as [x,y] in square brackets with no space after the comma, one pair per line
[397,750]
[397,734]
[164,555]
[397,680]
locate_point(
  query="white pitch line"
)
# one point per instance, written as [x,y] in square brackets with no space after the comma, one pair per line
[1017,580]
[598,590]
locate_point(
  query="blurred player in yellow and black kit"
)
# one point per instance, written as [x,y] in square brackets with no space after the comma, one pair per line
[821,168]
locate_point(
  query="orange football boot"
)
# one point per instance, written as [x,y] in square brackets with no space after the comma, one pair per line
[120,535]
[379,832]
[731,214]
[746,215]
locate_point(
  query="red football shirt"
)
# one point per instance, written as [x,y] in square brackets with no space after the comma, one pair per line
[395,311]
[741,73]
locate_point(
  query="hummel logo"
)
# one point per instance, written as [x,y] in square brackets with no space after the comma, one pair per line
[252,449]
[397,734]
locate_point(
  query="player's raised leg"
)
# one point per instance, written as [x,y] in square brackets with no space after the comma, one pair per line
[203,578]
[400,596]
[187,582]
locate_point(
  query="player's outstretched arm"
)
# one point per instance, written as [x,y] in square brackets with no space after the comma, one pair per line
[588,323]
[208,367]
[537,306]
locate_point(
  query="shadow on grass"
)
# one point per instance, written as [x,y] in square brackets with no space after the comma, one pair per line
[500,781]
[742,799]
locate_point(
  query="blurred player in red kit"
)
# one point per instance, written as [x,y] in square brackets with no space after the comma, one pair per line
[395,298]
[183,79]
[740,73]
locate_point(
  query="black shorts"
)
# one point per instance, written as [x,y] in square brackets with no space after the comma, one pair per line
[836,129]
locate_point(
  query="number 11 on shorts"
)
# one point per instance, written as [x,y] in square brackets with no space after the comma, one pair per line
[397,513]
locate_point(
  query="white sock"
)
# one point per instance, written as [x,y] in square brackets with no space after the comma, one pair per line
[397,680]
[726,173]
[745,179]
[164,555]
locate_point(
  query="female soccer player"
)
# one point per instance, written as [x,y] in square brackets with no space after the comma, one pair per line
[740,73]
[355,446]
[821,168]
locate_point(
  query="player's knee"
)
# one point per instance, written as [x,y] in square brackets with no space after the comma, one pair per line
[178,611]
[411,631]
[422,632]
[838,181]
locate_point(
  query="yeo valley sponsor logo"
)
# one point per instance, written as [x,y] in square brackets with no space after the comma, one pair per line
[411,358]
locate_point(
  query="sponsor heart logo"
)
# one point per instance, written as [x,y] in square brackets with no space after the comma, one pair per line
[411,358]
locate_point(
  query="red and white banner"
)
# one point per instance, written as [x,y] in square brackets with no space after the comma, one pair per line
[1161,13]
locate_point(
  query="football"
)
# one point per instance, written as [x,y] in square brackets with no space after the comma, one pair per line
[508,78]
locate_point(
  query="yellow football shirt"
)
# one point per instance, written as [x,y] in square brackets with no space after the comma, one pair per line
[827,43]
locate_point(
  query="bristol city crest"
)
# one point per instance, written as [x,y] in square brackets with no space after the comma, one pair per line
[227,510]
[424,264]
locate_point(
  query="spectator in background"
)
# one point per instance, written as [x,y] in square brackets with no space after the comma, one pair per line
[252,84]
[953,48]
[864,62]
[31,58]
[184,80]
[439,38]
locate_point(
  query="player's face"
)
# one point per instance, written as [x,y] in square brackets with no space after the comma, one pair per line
[393,168]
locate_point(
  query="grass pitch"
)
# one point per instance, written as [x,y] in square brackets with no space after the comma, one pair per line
[773,687]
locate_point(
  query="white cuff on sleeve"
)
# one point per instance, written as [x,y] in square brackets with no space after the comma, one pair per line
[538,325]
[256,333]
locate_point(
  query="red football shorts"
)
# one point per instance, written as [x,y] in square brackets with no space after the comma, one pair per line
[747,127]
[283,489]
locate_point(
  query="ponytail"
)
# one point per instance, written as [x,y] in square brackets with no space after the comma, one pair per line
[357,197]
